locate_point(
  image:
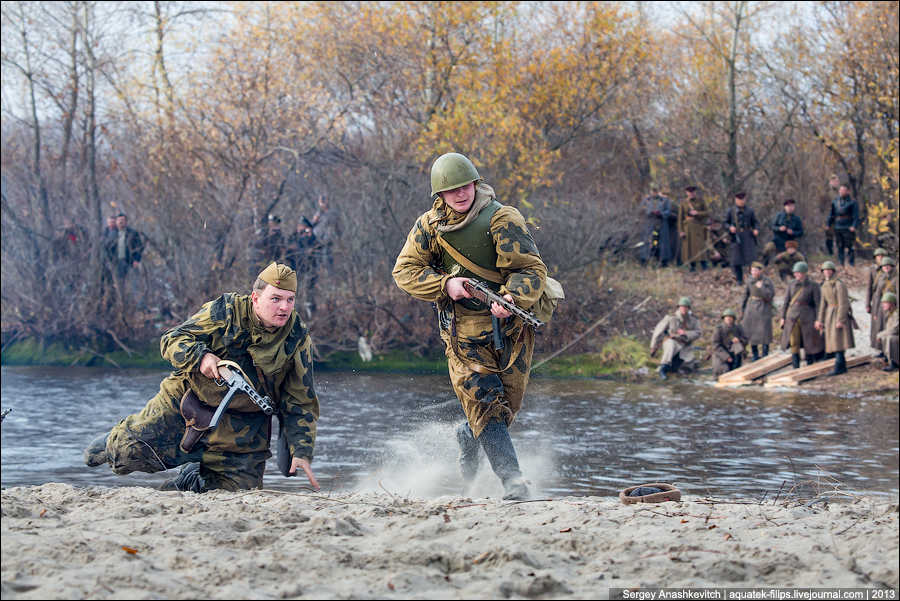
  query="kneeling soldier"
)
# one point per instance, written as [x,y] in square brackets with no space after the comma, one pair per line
[675,333]
[262,336]
[729,341]
[889,337]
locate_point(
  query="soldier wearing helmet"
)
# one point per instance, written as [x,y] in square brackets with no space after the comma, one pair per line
[834,317]
[885,281]
[675,333]
[888,336]
[798,317]
[729,341]
[468,234]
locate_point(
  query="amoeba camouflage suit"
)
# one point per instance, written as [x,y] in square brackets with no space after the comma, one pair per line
[490,384]
[277,362]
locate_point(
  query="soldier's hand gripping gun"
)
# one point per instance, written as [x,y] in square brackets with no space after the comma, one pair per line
[200,418]
[236,383]
[486,296]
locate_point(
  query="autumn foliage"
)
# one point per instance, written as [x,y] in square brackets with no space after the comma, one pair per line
[199,121]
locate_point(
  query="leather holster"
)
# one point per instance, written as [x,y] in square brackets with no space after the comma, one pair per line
[197,417]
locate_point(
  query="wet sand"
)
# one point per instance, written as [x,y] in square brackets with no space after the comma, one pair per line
[61,541]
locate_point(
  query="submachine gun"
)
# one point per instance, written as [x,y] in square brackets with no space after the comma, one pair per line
[482,293]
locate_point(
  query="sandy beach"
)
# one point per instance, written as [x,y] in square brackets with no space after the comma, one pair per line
[61,541]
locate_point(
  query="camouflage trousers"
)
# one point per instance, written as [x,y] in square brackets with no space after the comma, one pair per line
[148,441]
[488,383]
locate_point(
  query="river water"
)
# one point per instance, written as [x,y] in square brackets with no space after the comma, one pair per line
[574,437]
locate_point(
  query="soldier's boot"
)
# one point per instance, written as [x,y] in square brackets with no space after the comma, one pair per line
[851,256]
[664,371]
[693,266]
[840,253]
[795,360]
[840,364]
[95,453]
[765,352]
[469,452]
[755,350]
[704,265]
[829,246]
[187,480]
[738,361]
[891,366]
[500,452]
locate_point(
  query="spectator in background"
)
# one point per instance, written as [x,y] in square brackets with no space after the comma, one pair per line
[303,255]
[834,184]
[741,222]
[692,214]
[324,224]
[787,225]
[126,247]
[270,246]
[661,227]
[844,218]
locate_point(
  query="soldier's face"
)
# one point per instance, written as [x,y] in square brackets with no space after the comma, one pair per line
[789,208]
[460,199]
[828,273]
[887,307]
[273,306]
[754,271]
[683,309]
[799,276]
[729,320]
[121,223]
[887,268]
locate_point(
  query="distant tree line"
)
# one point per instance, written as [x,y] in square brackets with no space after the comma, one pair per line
[200,121]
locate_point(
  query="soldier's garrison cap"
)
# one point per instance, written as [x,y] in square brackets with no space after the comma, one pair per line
[280,276]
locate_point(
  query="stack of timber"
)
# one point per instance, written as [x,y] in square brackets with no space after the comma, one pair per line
[795,376]
[753,371]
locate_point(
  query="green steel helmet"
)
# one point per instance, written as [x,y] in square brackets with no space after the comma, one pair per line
[880,251]
[684,301]
[729,313]
[450,171]
[800,267]
[889,261]
[889,297]
[828,265]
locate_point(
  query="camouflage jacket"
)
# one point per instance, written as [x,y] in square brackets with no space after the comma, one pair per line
[277,362]
[518,260]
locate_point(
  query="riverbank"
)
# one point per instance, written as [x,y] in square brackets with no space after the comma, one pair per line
[104,543]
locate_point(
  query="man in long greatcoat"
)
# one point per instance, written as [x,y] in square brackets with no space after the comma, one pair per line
[742,223]
[692,215]
[757,310]
[834,318]
[661,227]
[889,336]
[798,317]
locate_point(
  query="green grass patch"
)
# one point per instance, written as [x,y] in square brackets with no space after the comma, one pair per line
[36,352]
[392,361]
[619,356]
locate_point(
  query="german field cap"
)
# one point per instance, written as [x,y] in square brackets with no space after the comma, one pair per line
[889,297]
[656,492]
[800,267]
[280,276]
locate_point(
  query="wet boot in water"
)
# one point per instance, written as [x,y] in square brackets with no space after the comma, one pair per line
[840,364]
[95,453]
[187,480]
[469,452]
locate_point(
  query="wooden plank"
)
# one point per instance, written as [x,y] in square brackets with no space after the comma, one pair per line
[795,376]
[747,373]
